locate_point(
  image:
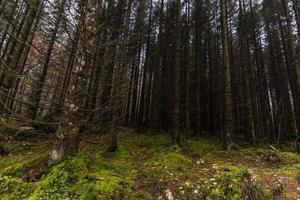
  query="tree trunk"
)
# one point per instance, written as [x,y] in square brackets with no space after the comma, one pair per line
[228,112]
[176,109]
[293,67]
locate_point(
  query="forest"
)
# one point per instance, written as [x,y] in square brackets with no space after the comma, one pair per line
[149,99]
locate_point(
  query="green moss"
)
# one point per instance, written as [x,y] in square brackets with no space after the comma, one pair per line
[201,145]
[121,154]
[88,194]
[63,180]
[173,162]
[163,168]
[289,156]
[12,188]
[143,167]
[150,142]
[78,166]
[55,186]
[290,170]
[103,184]
[84,177]
[254,151]
[16,165]
[109,184]
[233,183]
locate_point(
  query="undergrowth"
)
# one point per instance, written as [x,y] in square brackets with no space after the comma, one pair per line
[146,166]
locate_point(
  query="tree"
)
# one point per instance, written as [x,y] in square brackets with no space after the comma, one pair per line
[176,109]
[228,115]
[38,89]
[227,68]
[13,60]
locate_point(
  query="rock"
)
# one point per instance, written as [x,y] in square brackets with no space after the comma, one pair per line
[55,155]
[187,184]
[200,162]
[169,195]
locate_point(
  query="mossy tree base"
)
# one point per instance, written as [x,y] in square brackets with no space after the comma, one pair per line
[66,144]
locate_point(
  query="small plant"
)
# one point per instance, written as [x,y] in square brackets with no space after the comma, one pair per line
[154,181]
[201,193]
[277,191]
[249,189]
[227,189]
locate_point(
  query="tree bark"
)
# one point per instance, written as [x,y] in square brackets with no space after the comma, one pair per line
[228,112]
[293,67]
[176,109]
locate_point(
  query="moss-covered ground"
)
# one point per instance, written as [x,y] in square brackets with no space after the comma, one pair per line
[148,166]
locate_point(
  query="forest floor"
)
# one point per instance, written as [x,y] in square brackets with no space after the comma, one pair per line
[148,166]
